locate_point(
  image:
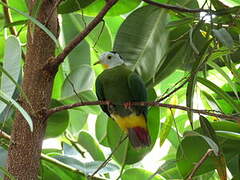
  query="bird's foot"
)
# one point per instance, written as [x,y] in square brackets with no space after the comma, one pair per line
[127,105]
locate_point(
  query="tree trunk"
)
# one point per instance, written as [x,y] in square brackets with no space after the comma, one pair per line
[25,149]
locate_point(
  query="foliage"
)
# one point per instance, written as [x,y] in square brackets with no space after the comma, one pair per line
[198,52]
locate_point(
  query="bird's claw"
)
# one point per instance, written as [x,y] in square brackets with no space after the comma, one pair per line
[127,105]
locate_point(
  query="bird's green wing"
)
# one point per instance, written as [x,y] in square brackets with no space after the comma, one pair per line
[138,91]
[100,95]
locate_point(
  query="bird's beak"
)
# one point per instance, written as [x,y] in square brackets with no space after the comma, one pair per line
[98,62]
[105,66]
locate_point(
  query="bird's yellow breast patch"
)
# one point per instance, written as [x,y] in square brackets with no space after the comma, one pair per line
[130,121]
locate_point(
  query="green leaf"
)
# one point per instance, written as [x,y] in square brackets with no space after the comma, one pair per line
[137,173]
[81,53]
[113,24]
[8,100]
[175,56]
[166,126]
[89,167]
[77,121]
[35,21]
[7,174]
[68,6]
[121,7]
[58,82]
[79,80]
[189,153]
[58,122]
[15,23]
[229,135]
[56,170]
[142,40]
[169,170]
[229,81]
[11,64]
[224,37]
[101,128]
[114,136]
[99,38]
[90,144]
[208,129]
[220,92]
[219,159]
[190,97]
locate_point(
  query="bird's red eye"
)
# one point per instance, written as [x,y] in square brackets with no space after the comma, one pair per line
[109,57]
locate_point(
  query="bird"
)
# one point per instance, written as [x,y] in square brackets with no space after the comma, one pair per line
[120,86]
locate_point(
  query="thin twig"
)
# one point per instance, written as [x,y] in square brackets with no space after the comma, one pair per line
[109,157]
[60,58]
[176,8]
[4,135]
[200,162]
[8,18]
[154,103]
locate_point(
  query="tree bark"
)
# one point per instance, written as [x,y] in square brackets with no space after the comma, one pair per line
[25,149]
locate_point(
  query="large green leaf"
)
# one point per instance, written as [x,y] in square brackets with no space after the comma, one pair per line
[99,38]
[189,153]
[11,64]
[79,80]
[224,37]
[77,87]
[81,53]
[90,144]
[142,40]
[219,160]
[101,128]
[77,121]
[224,74]
[56,170]
[121,7]
[166,126]
[137,173]
[35,21]
[220,92]
[68,6]
[89,167]
[58,122]
[8,100]
[169,170]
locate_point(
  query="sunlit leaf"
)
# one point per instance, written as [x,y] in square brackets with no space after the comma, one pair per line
[224,37]
[58,122]
[220,92]
[87,142]
[137,173]
[166,126]
[8,100]
[12,65]
[68,6]
[142,40]
[121,7]
[189,153]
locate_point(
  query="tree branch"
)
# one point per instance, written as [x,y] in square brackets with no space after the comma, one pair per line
[54,62]
[198,165]
[177,8]
[155,103]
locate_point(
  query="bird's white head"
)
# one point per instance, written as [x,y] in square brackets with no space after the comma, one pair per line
[110,59]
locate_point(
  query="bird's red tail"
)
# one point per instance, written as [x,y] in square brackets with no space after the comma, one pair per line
[139,137]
